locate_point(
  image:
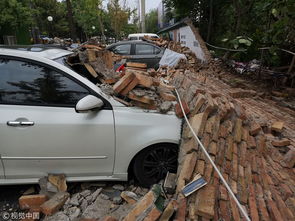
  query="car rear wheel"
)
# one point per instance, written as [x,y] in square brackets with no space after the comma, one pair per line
[152,164]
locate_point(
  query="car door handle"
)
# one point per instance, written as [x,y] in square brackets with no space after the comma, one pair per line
[27,123]
[20,123]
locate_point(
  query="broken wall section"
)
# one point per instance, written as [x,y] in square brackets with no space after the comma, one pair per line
[262,179]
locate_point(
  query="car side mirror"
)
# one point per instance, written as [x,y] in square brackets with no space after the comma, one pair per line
[88,103]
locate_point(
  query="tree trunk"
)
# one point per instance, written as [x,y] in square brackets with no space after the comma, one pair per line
[101,27]
[210,21]
[71,21]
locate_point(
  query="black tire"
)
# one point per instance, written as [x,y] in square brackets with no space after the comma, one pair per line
[152,164]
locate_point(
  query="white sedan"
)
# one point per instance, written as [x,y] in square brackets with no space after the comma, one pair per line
[53,120]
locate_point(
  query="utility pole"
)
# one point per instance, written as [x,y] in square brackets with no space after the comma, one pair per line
[142,15]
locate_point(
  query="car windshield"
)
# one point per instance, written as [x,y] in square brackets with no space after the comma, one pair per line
[79,69]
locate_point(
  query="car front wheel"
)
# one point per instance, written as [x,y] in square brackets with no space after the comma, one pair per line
[152,164]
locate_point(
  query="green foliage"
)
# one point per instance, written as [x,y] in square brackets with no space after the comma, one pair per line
[266,22]
[151,20]
[119,17]
[44,8]
[14,13]
[86,13]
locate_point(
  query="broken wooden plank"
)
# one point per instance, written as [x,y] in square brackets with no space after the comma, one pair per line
[91,70]
[130,86]
[123,82]
[136,65]
[144,99]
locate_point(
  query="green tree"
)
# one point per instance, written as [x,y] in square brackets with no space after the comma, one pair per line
[119,17]
[88,14]
[59,27]
[14,13]
[151,21]
[265,22]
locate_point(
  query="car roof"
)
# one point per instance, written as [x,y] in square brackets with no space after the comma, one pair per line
[141,34]
[51,53]
[130,42]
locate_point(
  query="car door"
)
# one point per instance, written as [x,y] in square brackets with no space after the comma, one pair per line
[40,131]
[146,53]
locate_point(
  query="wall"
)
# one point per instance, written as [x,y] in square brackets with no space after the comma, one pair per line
[187,38]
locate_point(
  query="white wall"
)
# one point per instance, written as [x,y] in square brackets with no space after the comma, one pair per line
[187,38]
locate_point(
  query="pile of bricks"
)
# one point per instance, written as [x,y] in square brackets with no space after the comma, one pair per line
[245,150]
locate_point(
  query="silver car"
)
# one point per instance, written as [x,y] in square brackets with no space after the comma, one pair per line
[53,120]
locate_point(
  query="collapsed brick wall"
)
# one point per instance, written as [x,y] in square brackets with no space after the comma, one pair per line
[200,40]
[257,173]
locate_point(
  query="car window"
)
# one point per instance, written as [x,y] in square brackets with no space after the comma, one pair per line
[26,83]
[144,49]
[133,38]
[157,50]
[122,49]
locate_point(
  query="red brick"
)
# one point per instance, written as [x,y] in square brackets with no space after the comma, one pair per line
[277,126]
[190,146]
[191,212]
[235,167]
[273,210]
[31,201]
[213,148]
[144,80]
[224,210]
[169,210]
[254,128]
[200,167]
[55,203]
[130,86]
[229,147]
[280,143]
[146,202]
[215,129]
[285,211]
[245,134]
[109,218]
[188,166]
[208,172]
[234,186]
[221,149]
[181,211]
[285,190]
[143,99]
[261,145]
[243,193]
[153,215]
[123,82]
[252,204]
[205,201]
[210,124]
[243,153]
[251,142]
[238,130]
[234,210]
[223,192]
[167,96]
[261,204]
[178,110]
[240,111]
[200,101]
[248,175]
[198,123]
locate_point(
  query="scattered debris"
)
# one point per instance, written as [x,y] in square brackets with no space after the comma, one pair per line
[197,183]
[170,183]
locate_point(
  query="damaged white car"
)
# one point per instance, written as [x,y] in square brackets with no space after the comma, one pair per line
[53,120]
